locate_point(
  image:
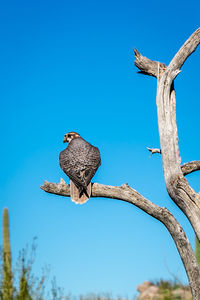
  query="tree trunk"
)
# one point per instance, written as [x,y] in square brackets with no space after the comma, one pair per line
[177,186]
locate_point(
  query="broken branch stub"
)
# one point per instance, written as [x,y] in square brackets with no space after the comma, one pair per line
[177,186]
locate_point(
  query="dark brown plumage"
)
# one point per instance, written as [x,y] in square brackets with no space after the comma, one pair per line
[80,161]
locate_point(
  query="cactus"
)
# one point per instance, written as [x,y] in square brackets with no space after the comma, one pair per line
[7,272]
[197,250]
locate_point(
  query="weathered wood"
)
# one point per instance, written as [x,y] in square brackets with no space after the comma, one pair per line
[190,167]
[154,150]
[177,186]
[147,66]
[186,168]
[126,193]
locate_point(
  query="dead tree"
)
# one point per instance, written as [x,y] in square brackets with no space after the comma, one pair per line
[177,186]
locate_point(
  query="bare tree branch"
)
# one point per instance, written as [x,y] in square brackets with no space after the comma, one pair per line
[190,167]
[154,150]
[186,168]
[63,189]
[185,51]
[127,194]
[177,186]
[147,66]
[150,67]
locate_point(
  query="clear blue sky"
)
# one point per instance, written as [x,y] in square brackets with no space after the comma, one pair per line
[68,65]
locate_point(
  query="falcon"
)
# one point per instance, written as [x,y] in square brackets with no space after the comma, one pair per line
[79,161]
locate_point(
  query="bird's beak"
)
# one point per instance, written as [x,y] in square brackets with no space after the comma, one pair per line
[65,139]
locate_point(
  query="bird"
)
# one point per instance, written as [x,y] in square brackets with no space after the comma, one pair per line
[79,161]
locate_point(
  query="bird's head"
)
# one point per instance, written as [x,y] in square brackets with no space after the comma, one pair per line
[68,137]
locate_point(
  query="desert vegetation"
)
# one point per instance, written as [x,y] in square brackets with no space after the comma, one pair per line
[20,283]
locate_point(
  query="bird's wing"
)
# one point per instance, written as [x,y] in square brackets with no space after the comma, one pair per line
[80,162]
[93,161]
[69,163]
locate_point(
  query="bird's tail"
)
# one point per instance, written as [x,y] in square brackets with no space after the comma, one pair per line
[77,196]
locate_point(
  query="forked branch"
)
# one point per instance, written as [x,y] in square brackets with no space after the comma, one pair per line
[177,186]
[147,66]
